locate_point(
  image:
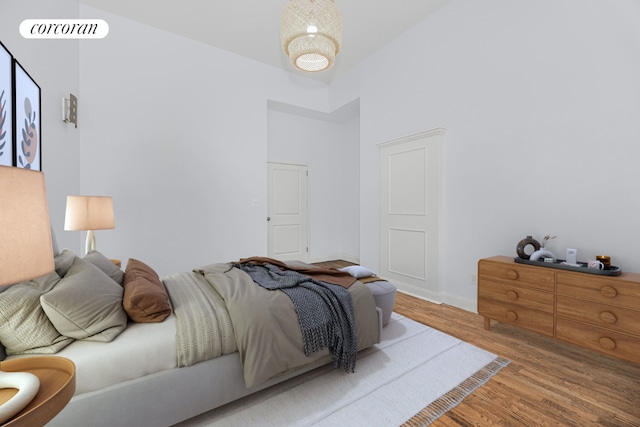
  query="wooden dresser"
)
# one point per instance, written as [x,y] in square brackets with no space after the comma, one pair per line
[598,312]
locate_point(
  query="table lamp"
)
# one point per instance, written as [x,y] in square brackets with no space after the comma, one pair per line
[89,213]
[25,253]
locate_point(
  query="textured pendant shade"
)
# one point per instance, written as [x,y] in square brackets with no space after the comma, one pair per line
[311,33]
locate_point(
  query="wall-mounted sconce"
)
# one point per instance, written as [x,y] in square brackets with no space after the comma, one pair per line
[70,109]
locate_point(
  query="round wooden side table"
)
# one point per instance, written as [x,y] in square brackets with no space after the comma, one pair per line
[57,377]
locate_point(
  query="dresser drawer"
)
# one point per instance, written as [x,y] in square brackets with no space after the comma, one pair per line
[534,277]
[599,289]
[606,316]
[516,315]
[613,343]
[507,292]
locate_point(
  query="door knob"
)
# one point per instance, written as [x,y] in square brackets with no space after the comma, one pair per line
[268,218]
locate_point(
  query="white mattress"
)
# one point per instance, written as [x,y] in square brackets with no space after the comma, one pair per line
[166,397]
[100,365]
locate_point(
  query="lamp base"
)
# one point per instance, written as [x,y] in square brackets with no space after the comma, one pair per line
[90,244]
[27,385]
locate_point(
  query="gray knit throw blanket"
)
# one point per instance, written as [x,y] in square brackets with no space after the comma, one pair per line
[325,311]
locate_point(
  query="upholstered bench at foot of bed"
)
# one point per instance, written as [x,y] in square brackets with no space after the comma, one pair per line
[384,293]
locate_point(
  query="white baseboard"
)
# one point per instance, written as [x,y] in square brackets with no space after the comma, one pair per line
[449,299]
[463,303]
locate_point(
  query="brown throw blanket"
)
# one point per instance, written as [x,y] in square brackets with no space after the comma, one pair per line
[371,279]
[327,275]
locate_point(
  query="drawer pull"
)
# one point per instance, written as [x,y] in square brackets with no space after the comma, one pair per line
[512,274]
[608,317]
[512,295]
[607,343]
[512,315]
[608,291]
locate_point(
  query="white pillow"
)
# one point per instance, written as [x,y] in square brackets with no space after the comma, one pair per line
[358,271]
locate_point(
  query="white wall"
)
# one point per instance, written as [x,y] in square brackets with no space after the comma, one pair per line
[541,101]
[350,189]
[53,64]
[177,133]
[330,150]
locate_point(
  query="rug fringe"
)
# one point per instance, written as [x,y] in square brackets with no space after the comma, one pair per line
[453,397]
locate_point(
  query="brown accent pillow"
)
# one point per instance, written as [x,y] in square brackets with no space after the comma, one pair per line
[145,297]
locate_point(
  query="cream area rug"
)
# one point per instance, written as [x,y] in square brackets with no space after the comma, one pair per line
[413,376]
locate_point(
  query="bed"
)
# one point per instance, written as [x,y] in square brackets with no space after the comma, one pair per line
[154,352]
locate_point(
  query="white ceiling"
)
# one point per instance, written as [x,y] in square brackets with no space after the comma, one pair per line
[251,27]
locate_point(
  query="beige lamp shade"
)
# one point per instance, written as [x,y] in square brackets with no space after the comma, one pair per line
[311,33]
[26,250]
[89,213]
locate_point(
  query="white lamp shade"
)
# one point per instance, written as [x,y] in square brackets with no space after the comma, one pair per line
[26,250]
[89,213]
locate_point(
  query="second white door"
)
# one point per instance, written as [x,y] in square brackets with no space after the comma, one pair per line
[288,212]
[410,213]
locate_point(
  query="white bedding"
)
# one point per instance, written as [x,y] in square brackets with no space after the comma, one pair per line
[100,365]
[137,374]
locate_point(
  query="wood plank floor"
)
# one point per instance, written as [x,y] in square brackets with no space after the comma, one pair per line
[548,383]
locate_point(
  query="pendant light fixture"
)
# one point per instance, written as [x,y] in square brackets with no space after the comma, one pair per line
[311,33]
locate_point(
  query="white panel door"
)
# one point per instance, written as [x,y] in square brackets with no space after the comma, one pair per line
[410,213]
[288,212]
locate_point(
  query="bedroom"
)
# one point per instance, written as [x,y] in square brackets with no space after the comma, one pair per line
[540,103]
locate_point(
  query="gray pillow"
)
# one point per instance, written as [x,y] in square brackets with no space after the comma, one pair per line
[106,265]
[24,326]
[86,304]
[63,262]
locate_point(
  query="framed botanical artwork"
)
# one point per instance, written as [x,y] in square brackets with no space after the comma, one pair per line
[28,122]
[6,107]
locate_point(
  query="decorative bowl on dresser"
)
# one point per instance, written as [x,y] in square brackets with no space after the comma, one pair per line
[601,313]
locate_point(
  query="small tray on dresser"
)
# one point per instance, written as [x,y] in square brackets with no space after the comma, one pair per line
[613,271]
